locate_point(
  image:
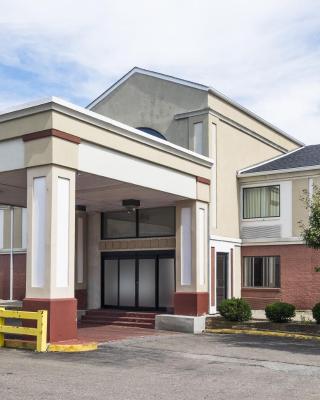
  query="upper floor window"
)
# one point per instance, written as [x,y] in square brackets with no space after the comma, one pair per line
[198,145]
[261,202]
[152,132]
[261,272]
[148,222]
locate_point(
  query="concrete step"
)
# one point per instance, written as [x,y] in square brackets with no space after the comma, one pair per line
[116,313]
[138,319]
[90,322]
[115,318]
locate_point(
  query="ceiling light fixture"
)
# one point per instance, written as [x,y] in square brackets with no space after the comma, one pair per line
[131,205]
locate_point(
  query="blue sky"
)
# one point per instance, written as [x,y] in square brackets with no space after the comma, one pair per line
[264,54]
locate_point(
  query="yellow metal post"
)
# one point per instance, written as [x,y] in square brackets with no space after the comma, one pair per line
[1,325]
[42,330]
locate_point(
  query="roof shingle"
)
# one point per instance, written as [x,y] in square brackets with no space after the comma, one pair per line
[307,156]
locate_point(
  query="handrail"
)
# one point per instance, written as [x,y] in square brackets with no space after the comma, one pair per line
[41,317]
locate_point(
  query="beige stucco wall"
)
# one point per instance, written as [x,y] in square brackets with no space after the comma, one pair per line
[51,150]
[235,150]
[299,212]
[250,123]
[145,101]
[28,124]
[138,148]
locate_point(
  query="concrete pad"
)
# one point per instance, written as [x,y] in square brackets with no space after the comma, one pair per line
[180,323]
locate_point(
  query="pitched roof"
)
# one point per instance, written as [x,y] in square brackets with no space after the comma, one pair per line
[193,85]
[308,156]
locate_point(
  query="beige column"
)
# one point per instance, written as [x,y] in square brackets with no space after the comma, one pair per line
[192,244]
[51,248]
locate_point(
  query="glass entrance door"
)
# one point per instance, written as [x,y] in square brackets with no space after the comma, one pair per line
[222,277]
[147,282]
[144,280]
[127,282]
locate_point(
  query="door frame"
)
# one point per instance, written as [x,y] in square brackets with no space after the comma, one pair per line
[153,254]
[226,273]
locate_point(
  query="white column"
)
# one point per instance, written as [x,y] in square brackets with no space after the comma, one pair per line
[51,220]
[192,262]
[50,252]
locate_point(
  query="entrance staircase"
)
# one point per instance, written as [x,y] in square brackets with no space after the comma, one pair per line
[137,319]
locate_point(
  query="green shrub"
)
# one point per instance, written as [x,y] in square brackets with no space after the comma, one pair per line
[316,312]
[235,310]
[280,312]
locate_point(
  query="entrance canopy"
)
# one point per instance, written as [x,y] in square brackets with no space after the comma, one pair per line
[55,156]
[112,160]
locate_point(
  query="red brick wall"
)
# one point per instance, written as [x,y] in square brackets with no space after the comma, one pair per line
[19,276]
[81,296]
[300,283]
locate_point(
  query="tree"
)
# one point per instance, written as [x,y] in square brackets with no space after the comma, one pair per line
[311,230]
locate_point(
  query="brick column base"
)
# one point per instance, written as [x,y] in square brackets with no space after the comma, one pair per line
[191,303]
[62,316]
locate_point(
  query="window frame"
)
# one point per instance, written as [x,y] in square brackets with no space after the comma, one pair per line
[260,187]
[195,144]
[137,230]
[260,287]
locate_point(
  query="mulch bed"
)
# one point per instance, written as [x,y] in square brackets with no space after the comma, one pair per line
[310,328]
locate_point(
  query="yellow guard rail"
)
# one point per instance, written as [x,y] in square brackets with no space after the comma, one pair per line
[40,332]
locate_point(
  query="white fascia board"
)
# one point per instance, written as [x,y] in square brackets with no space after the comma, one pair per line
[280,171]
[272,242]
[216,238]
[194,85]
[243,170]
[65,107]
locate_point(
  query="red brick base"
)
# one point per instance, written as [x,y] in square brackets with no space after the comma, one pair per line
[81,296]
[62,316]
[19,276]
[300,283]
[191,303]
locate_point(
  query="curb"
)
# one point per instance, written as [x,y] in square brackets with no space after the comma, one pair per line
[72,348]
[255,332]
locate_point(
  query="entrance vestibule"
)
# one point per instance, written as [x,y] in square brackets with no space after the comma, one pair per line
[138,280]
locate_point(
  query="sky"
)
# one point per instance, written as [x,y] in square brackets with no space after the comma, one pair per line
[264,54]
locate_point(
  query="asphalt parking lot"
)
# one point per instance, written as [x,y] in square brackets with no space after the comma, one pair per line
[168,367]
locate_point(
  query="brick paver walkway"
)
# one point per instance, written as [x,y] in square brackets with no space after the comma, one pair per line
[108,333]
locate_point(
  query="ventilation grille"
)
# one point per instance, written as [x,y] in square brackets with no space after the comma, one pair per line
[266,231]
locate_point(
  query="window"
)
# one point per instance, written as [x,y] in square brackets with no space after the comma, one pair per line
[261,272]
[198,137]
[119,224]
[261,202]
[157,222]
[149,222]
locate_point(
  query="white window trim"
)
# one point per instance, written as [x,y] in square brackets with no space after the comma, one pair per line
[258,219]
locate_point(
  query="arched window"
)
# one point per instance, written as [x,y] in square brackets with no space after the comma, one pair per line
[152,132]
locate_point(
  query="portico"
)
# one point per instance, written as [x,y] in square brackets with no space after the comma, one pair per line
[69,166]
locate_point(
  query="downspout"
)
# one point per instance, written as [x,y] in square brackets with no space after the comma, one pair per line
[11,252]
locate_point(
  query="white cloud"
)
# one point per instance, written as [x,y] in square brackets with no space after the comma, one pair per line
[266,54]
